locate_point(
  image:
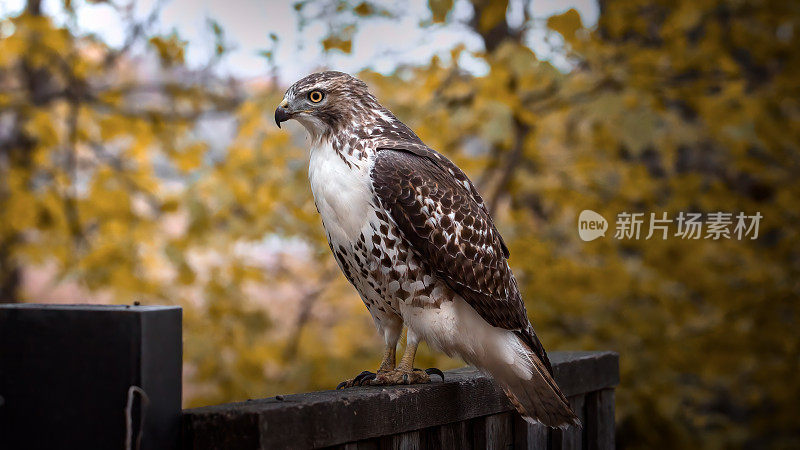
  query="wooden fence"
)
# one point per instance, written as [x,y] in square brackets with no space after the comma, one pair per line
[109,376]
[466,411]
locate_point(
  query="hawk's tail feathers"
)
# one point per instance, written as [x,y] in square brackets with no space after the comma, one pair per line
[532,390]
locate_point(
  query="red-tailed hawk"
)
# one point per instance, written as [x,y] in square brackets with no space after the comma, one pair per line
[412,234]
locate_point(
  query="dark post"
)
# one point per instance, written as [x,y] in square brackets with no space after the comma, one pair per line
[84,376]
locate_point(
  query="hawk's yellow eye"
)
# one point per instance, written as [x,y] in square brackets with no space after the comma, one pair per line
[315,96]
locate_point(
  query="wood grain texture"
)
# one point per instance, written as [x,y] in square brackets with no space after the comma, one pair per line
[600,420]
[572,437]
[455,436]
[329,418]
[530,437]
[499,434]
[402,441]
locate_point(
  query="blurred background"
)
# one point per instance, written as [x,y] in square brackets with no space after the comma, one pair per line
[139,162]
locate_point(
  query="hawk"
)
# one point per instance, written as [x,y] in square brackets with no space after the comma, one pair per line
[412,234]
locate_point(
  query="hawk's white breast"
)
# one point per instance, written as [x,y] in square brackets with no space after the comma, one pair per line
[343,193]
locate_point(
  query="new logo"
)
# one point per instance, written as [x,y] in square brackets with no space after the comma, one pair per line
[591,225]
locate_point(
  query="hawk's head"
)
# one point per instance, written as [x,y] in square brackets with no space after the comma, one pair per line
[325,102]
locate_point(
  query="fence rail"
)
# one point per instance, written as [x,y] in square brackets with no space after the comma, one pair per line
[466,411]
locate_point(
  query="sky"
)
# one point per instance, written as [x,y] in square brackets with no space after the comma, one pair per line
[380,44]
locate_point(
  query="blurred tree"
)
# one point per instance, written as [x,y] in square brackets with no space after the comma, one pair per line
[105,171]
[140,178]
[83,132]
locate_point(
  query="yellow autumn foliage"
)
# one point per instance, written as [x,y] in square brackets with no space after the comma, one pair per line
[665,107]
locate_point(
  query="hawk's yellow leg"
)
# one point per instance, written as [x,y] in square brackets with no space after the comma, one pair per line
[388,358]
[388,374]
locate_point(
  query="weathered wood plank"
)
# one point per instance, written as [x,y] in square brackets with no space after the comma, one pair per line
[369,444]
[327,418]
[478,436]
[499,431]
[572,437]
[455,436]
[429,438]
[585,371]
[528,436]
[600,420]
[402,441]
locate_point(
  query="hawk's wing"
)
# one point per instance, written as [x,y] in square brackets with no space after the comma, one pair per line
[440,212]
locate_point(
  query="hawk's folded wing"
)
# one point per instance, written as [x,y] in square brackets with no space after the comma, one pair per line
[440,212]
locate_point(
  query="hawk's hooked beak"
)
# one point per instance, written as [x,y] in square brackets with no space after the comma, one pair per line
[281,115]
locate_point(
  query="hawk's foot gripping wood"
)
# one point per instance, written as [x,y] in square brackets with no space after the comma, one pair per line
[392,377]
[358,380]
[387,364]
[400,376]
[388,375]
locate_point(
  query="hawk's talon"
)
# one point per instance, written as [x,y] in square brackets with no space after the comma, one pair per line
[434,371]
[399,377]
[359,380]
[363,376]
